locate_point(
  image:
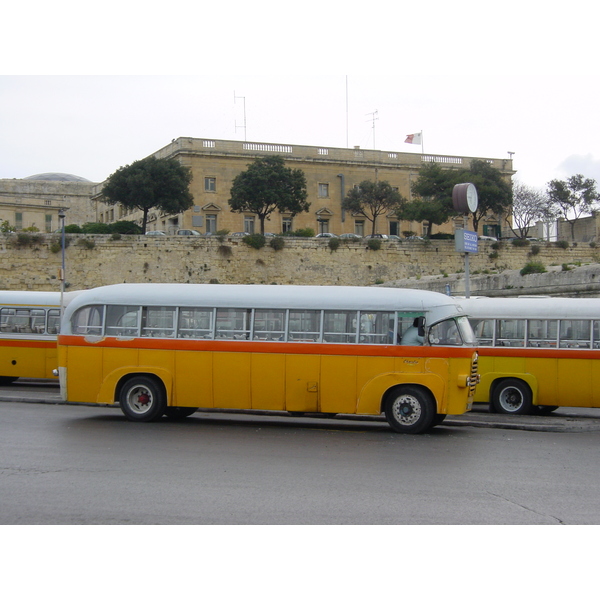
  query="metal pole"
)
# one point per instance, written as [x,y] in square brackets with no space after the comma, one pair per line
[61,216]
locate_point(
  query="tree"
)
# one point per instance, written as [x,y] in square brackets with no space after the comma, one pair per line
[434,186]
[372,199]
[433,202]
[268,185]
[572,198]
[161,183]
[528,205]
[493,190]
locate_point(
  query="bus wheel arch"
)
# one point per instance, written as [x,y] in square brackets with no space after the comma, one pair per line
[511,396]
[142,397]
[409,408]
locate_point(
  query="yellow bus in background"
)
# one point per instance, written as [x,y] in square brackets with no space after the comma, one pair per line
[29,324]
[536,353]
[169,349]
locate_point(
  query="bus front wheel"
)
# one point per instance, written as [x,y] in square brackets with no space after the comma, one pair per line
[176,413]
[142,399]
[410,409]
[512,397]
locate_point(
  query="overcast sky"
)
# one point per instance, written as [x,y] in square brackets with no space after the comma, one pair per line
[86,93]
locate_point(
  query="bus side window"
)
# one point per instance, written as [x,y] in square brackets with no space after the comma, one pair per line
[304,326]
[375,328]
[88,320]
[339,327]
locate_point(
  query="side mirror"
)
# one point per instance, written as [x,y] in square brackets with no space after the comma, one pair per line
[421,326]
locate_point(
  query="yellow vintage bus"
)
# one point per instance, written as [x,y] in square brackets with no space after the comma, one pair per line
[536,353]
[168,349]
[29,323]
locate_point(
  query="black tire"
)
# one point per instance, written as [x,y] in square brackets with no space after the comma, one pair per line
[438,419]
[176,413]
[142,399]
[7,380]
[512,397]
[546,410]
[410,409]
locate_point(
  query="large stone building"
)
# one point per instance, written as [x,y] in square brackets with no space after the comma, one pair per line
[34,202]
[330,173]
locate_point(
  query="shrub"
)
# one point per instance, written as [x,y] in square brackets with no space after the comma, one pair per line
[95,228]
[562,244]
[73,229]
[520,242]
[533,267]
[222,234]
[334,244]
[125,228]
[306,232]
[26,239]
[277,243]
[255,240]
[535,250]
[87,244]
[566,267]
[115,237]
[374,244]
[493,255]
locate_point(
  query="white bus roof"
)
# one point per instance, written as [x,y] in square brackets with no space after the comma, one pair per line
[531,308]
[267,296]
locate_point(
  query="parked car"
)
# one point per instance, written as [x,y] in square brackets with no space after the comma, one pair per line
[377,236]
[351,236]
[488,237]
[239,234]
[187,232]
[326,235]
[157,232]
[395,238]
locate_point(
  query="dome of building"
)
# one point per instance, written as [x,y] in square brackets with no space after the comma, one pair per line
[56,177]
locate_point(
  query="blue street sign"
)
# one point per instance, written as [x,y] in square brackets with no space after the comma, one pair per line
[465,241]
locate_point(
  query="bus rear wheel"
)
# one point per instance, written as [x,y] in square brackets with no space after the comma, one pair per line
[142,399]
[410,409]
[512,397]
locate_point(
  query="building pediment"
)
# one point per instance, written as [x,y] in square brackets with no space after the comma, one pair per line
[211,207]
[324,212]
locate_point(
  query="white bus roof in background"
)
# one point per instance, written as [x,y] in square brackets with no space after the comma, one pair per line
[31,298]
[266,296]
[531,308]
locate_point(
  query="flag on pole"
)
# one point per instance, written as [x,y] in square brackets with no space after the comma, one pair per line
[413,138]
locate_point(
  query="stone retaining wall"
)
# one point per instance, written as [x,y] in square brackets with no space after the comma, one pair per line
[94,260]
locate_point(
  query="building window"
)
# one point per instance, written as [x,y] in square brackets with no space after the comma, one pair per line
[394,228]
[323,190]
[19,220]
[48,202]
[323,225]
[211,223]
[210,184]
[359,228]
[425,230]
[48,223]
[286,224]
[249,224]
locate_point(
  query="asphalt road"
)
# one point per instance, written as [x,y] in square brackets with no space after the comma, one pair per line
[81,464]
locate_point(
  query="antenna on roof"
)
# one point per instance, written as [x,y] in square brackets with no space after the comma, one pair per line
[244,125]
[374,118]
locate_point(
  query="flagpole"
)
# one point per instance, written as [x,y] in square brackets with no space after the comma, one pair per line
[422,144]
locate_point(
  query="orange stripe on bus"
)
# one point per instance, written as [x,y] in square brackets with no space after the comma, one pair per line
[270,347]
[28,343]
[504,352]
